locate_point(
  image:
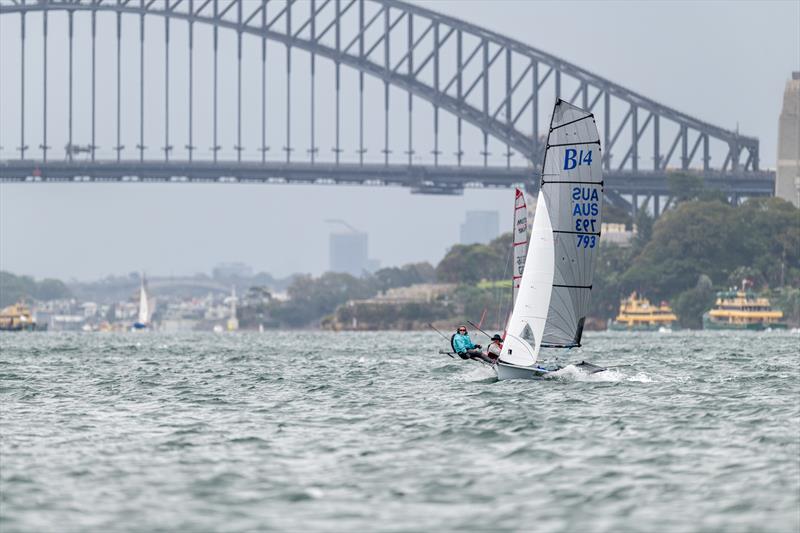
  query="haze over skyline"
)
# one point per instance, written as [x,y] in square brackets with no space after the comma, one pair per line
[725,63]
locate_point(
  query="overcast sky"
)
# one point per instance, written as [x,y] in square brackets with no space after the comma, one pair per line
[723,62]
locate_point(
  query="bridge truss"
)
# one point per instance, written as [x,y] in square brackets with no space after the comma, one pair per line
[463,75]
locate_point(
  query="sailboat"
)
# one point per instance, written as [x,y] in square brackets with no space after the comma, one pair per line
[145,308]
[551,298]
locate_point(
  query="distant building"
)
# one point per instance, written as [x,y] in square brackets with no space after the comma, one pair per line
[348,253]
[787,178]
[617,234]
[232,270]
[480,227]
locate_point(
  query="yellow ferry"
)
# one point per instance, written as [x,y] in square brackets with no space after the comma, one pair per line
[742,309]
[17,317]
[638,314]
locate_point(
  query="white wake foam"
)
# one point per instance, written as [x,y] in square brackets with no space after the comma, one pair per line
[572,373]
[479,373]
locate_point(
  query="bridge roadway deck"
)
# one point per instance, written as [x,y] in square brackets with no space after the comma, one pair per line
[440,179]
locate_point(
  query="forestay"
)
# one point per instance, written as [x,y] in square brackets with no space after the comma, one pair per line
[556,284]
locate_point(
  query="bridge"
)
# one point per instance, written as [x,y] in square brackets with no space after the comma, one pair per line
[406,97]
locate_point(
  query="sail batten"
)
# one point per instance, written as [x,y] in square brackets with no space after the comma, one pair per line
[555,289]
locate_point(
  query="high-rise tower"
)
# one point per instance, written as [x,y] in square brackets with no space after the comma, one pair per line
[787,178]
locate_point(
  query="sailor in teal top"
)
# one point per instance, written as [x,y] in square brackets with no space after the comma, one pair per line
[464,346]
[461,341]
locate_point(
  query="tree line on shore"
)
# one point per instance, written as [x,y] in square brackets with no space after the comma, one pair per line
[684,257]
[15,288]
[701,246]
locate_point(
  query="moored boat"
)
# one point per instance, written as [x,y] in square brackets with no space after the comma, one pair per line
[742,310]
[17,317]
[145,307]
[638,314]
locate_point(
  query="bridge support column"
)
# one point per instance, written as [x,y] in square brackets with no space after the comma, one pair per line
[94,39]
[118,147]
[190,145]
[459,89]
[215,144]
[338,77]
[386,55]
[69,127]
[410,66]
[44,146]
[263,84]
[167,147]
[436,43]
[288,147]
[140,146]
[141,84]
[22,146]
[361,149]
[239,146]
[313,66]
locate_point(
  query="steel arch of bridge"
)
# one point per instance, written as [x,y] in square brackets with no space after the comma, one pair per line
[477,75]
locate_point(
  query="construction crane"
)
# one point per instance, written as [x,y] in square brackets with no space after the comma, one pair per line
[343,223]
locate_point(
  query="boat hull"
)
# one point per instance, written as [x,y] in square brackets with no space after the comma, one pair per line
[19,327]
[616,326]
[508,371]
[750,326]
[743,326]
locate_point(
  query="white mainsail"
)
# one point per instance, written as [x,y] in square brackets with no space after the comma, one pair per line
[556,283]
[144,304]
[520,244]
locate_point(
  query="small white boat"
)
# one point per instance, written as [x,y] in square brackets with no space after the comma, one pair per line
[145,307]
[553,291]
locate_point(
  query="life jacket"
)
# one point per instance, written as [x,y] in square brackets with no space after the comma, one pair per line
[494,355]
[453,347]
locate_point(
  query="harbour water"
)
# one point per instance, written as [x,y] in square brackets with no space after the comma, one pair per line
[378,432]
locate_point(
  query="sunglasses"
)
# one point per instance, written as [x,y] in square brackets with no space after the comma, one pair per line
[463,330]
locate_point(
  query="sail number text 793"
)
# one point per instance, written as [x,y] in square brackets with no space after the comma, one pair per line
[586,208]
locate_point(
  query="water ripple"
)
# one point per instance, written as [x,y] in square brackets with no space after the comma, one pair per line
[362,432]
